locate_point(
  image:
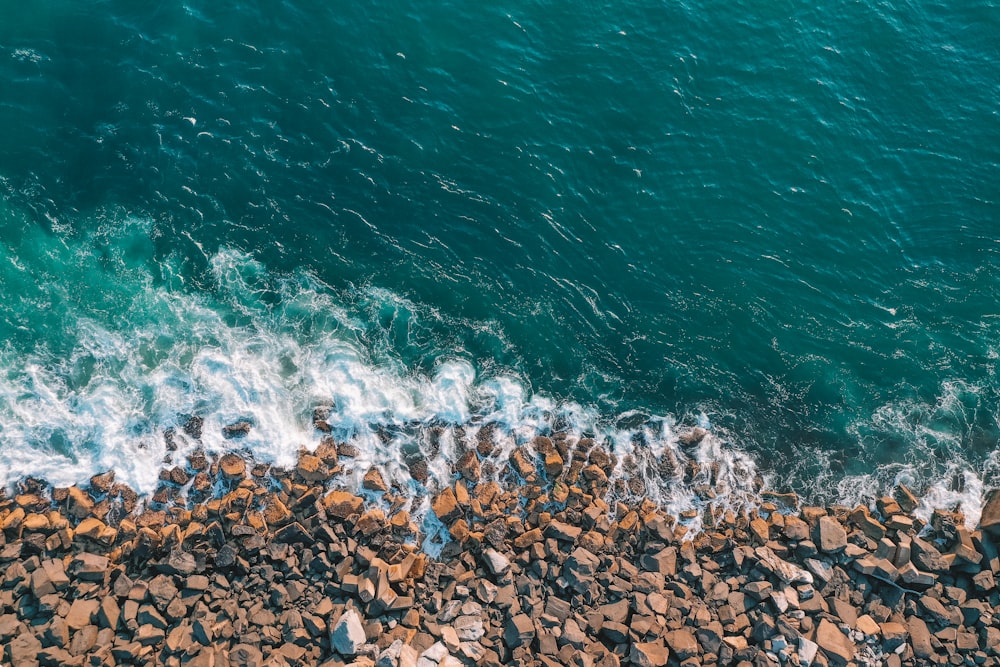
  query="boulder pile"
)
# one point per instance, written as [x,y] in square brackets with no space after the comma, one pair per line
[237,564]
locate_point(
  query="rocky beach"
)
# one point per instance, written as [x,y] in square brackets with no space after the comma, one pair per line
[243,564]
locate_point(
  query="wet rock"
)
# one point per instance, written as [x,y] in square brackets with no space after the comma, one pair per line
[239,429]
[373,481]
[233,466]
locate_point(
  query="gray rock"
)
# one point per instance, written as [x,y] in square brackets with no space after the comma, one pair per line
[497,562]
[348,635]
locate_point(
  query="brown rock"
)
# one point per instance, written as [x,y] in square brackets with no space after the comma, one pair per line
[920,638]
[468,466]
[829,535]
[893,636]
[311,468]
[649,654]
[79,504]
[445,505]
[837,647]
[104,482]
[374,481]
[519,631]
[81,613]
[237,430]
[342,504]
[682,643]
[233,466]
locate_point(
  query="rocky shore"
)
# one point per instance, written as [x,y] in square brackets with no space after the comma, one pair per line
[237,564]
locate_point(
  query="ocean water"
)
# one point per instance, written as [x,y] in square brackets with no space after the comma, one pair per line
[779,222]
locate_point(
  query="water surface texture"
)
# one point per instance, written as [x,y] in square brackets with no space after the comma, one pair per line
[774,220]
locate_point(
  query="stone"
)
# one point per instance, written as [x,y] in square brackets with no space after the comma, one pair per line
[682,643]
[81,613]
[89,567]
[445,505]
[245,655]
[580,568]
[374,481]
[496,562]
[920,637]
[829,535]
[519,631]
[894,635]
[834,643]
[342,504]
[233,466]
[347,636]
[468,467]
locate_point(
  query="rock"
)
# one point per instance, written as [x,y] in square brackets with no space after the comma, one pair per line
[926,556]
[89,567]
[468,466]
[563,531]
[830,536]
[312,468]
[834,643]
[178,562]
[233,466]
[373,481]
[445,506]
[519,631]
[682,643]
[348,635]
[342,504]
[497,562]
[245,655]
[580,568]
[81,613]
[469,628]
[237,430]
[79,504]
[920,638]
[103,482]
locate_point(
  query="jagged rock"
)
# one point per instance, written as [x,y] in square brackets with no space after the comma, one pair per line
[830,536]
[236,430]
[374,482]
[245,655]
[233,466]
[81,613]
[682,643]
[519,631]
[497,562]
[580,568]
[445,505]
[834,643]
[920,638]
[468,466]
[347,636]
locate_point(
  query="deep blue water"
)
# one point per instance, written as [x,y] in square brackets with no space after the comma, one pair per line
[780,221]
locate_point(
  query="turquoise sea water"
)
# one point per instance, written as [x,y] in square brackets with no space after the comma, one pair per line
[776,220]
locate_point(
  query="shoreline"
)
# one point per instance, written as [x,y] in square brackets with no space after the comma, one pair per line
[237,564]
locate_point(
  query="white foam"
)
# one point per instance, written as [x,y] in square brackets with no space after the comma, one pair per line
[270,349]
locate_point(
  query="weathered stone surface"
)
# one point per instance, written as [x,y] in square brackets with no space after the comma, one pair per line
[519,631]
[989,520]
[233,466]
[682,643]
[497,562]
[830,536]
[445,505]
[347,636]
[920,637]
[834,643]
[81,613]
